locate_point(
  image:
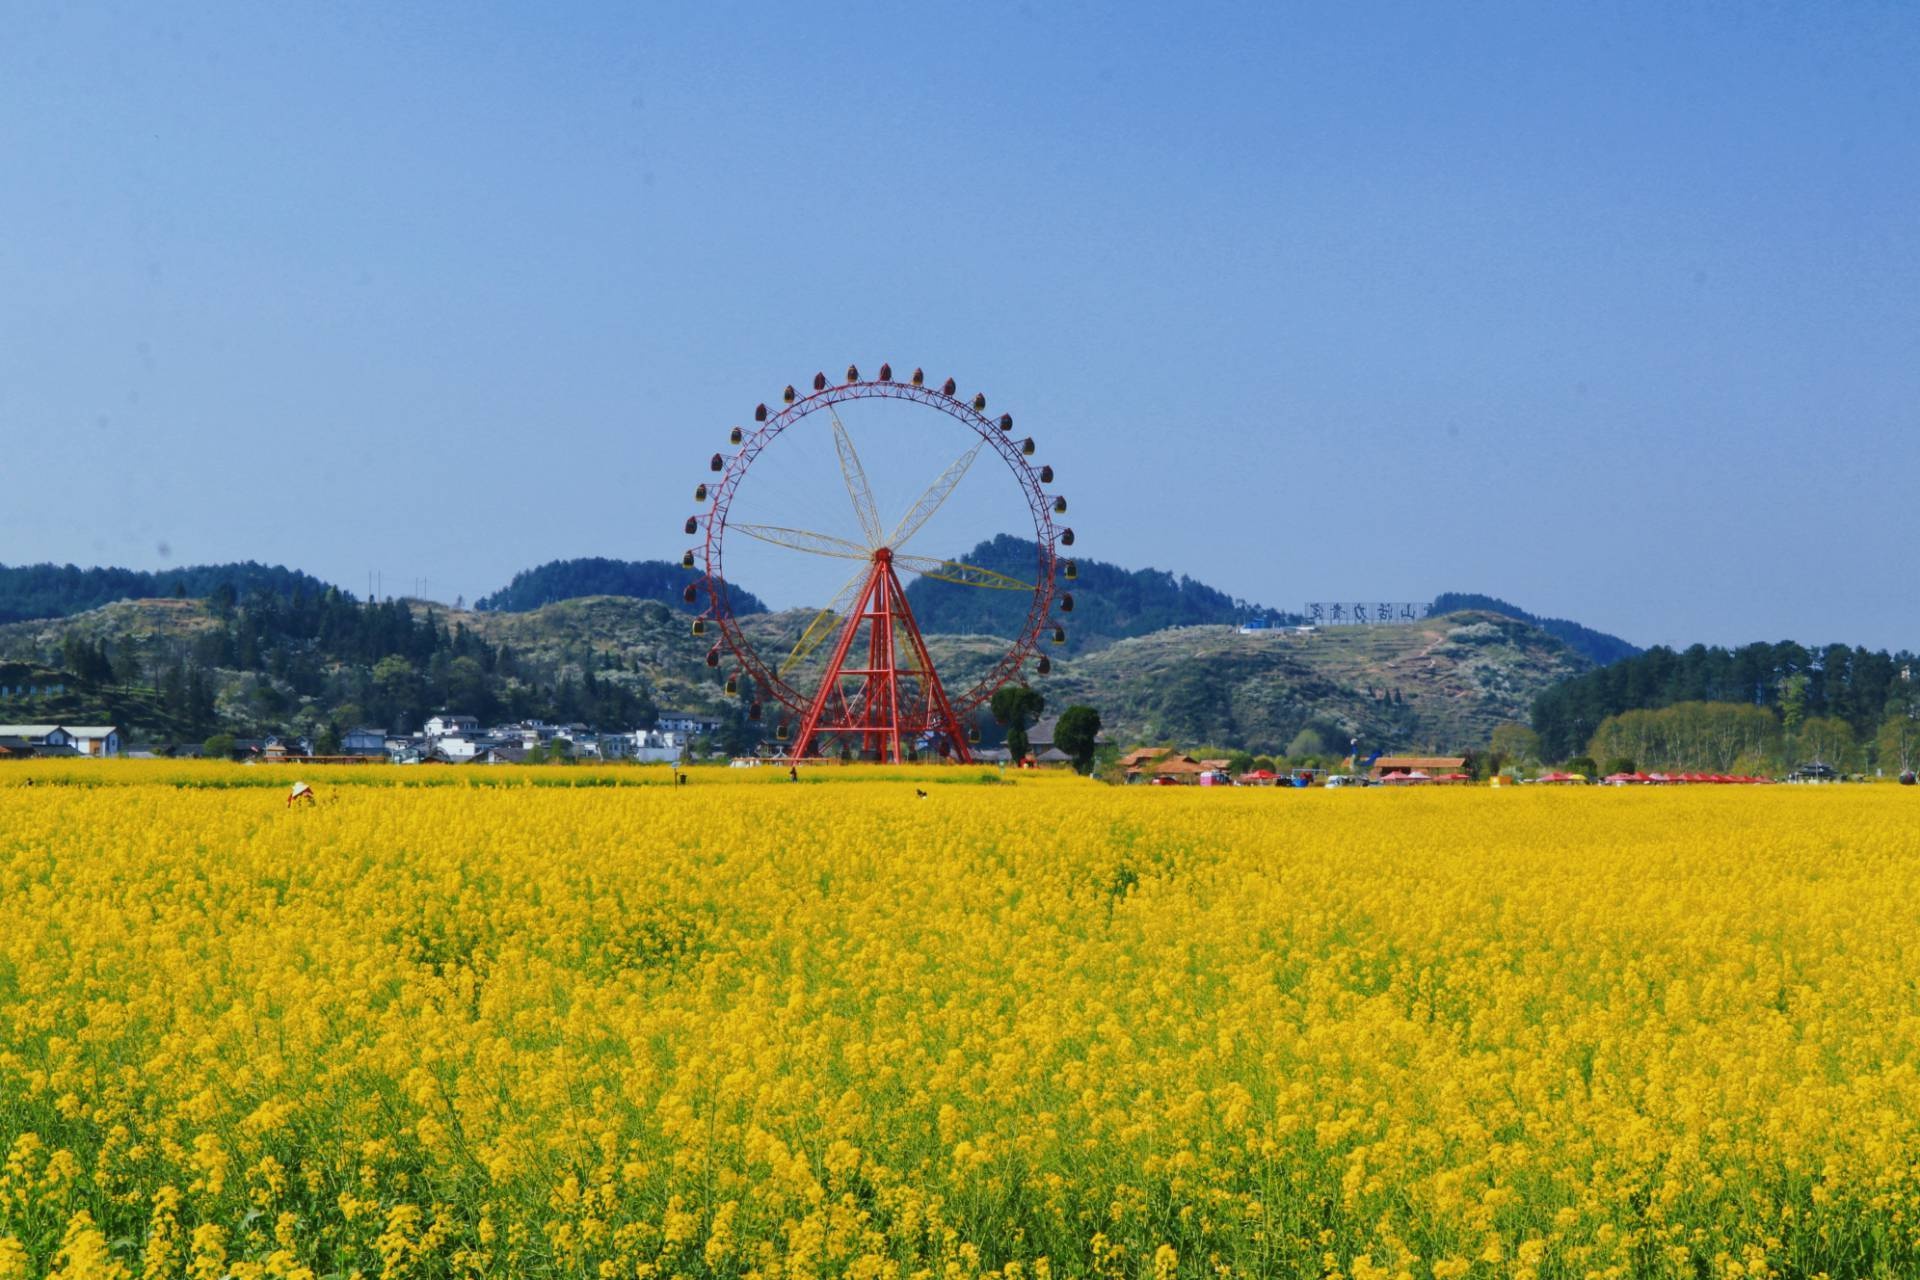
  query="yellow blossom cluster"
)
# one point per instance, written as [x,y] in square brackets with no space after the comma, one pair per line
[556,1024]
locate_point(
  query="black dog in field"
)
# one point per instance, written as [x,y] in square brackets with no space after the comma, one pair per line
[918,792]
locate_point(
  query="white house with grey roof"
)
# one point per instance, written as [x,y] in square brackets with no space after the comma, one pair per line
[98,740]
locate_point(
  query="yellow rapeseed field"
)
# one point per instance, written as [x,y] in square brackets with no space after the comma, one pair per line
[1047,1028]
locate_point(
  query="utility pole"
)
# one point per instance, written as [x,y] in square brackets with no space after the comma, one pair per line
[1906,725]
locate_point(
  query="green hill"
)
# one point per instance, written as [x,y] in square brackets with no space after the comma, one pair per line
[1597,647]
[559,580]
[59,591]
[1442,684]
[178,667]
[1109,603]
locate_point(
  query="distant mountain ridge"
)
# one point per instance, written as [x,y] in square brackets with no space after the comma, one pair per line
[1596,647]
[32,591]
[1109,603]
[558,580]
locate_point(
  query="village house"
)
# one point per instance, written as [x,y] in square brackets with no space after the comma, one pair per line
[1181,769]
[690,723]
[1140,757]
[38,736]
[446,725]
[655,746]
[460,747]
[363,741]
[1432,766]
[94,740]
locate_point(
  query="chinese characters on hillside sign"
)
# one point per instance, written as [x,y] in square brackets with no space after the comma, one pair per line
[1333,613]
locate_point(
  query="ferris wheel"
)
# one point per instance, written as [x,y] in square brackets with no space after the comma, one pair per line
[879,694]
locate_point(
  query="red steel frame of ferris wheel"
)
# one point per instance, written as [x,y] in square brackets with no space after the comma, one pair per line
[882,603]
[830,683]
[936,694]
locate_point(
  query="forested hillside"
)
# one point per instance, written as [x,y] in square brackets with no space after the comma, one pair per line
[1855,685]
[1440,685]
[1109,603]
[314,663]
[1596,647]
[59,591]
[559,580]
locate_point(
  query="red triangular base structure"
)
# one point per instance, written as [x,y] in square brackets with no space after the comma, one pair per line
[894,703]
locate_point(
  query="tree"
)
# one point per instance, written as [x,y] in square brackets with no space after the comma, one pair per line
[1515,742]
[1016,706]
[1828,740]
[1897,744]
[1307,743]
[1239,762]
[218,747]
[1619,764]
[397,681]
[327,741]
[1793,702]
[1687,736]
[1079,726]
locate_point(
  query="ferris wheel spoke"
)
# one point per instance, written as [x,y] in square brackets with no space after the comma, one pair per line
[856,478]
[819,544]
[824,623]
[967,575]
[934,498]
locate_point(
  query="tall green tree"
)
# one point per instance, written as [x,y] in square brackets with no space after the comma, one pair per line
[1828,740]
[1076,733]
[1515,742]
[1016,706]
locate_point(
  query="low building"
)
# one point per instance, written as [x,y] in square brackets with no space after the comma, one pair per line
[98,740]
[1432,766]
[655,746]
[511,753]
[1140,757]
[527,733]
[446,725]
[690,723]
[1184,770]
[95,740]
[363,741]
[461,747]
[38,736]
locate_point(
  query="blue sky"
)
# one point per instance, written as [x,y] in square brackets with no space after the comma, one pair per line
[1612,310]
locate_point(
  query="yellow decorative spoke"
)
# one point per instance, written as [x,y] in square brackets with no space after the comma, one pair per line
[819,544]
[856,478]
[967,575]
[930,501]
[824,623]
